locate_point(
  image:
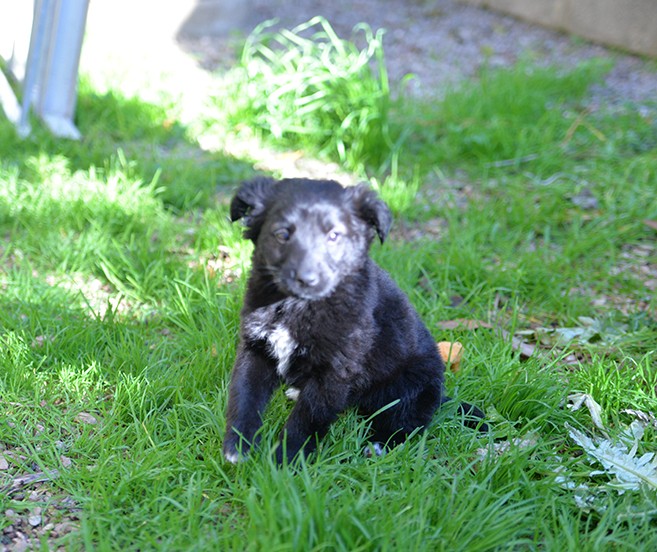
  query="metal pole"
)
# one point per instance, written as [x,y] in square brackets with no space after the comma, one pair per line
[38,43]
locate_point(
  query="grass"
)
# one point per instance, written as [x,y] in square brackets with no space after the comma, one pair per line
[121,286]
[309,88]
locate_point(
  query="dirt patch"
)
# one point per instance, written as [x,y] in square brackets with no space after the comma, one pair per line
[35,508]
[38,512]
[443,42]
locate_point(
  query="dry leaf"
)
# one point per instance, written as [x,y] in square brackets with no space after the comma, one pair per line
[41,340]
[451,353]
[525,349]
[651,223]
[86,418]
[585,200]
[579,399]
[455,300]
[500,448]
[4,465]
[647,418]
[463,324]
[631,473]
[22,481]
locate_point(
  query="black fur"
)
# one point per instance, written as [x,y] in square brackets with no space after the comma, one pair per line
[322,317]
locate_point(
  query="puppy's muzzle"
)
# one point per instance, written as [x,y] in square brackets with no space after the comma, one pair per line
[306,277]
[307,280]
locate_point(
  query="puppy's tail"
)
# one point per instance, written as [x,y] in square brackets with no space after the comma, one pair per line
[472,416]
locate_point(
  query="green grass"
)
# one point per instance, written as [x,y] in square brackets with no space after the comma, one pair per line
[309,88]
[120,288]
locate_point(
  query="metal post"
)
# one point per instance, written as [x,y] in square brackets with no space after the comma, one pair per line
[58,93]
[51,76]
[38,43]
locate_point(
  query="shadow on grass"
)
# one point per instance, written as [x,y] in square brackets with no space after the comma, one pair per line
[132,210]
[138,134]
[56,346]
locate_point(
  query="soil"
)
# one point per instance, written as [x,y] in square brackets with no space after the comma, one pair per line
[442,42]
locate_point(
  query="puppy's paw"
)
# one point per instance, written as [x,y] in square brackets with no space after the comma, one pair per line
[374,449]
[234,457]
[292,393]
[235,451]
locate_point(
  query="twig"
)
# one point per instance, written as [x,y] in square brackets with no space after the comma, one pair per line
[514,161]
[28,479]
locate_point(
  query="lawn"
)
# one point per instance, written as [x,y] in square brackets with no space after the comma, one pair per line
[525,228]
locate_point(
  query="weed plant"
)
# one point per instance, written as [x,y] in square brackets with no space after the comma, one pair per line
[120,288]
[308,88]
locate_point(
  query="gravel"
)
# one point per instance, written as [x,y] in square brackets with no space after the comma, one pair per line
[442,42]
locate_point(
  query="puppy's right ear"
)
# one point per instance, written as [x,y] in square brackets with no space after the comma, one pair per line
[250,199]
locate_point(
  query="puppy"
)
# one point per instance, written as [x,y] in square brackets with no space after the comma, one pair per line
[320,316]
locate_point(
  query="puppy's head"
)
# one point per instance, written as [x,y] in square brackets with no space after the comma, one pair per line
[309,234]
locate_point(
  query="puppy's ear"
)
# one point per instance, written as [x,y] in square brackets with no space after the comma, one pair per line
[250,199]
[371,209]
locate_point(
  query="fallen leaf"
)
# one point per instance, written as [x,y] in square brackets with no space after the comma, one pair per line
[566,335]
[4,465]
[499,448]
[40,340]
[630,472]
[463,324]
[570,360]
[25,480]
[651,224]
[86,418]
[525,349]
[64,528]
[579,399]
[455,301]
[451,352]
[647,418]
[585,200]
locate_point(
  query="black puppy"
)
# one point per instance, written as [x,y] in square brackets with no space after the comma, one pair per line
[322,317]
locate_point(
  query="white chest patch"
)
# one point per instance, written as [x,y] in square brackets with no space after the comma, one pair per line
[280,344]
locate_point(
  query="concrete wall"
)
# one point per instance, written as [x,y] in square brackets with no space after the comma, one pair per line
[627,24]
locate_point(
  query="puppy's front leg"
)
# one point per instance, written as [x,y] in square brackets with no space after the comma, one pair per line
[252,383]
[310,419]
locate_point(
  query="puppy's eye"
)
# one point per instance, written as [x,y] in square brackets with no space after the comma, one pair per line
[282,234]
[333,236]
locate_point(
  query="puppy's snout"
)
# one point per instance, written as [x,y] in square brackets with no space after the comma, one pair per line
[307,277]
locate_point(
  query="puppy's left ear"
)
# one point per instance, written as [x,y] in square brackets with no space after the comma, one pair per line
[372,209]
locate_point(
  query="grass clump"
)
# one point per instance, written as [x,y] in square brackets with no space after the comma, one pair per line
[507,116]
[308,88]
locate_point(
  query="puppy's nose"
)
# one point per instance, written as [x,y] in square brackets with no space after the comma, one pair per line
[307,277]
